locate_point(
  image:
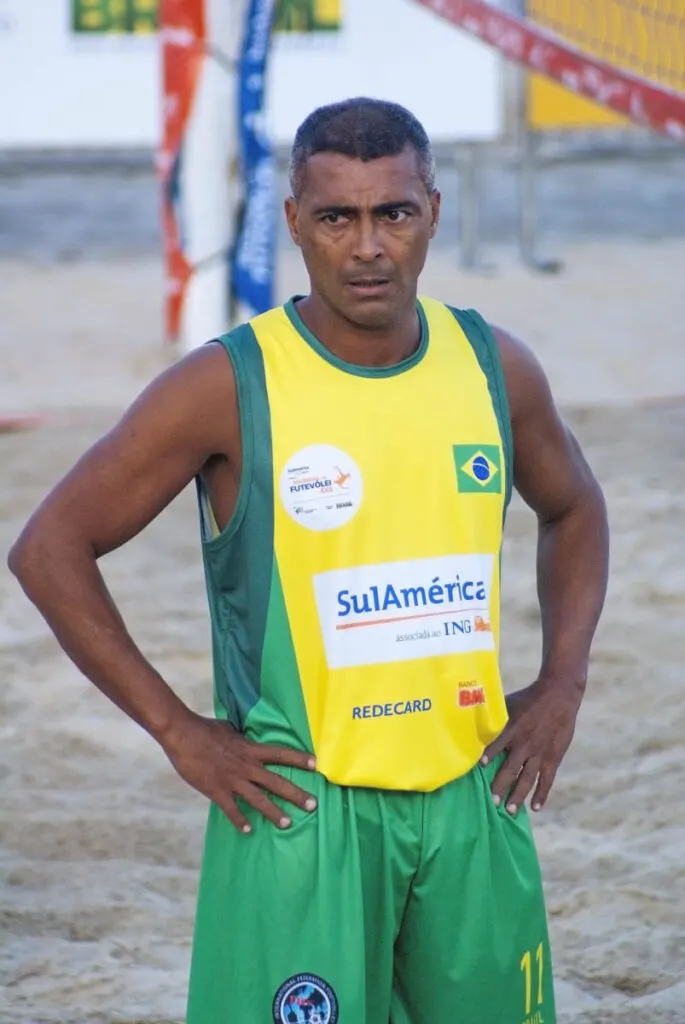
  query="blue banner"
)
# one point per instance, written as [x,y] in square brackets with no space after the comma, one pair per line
[254,254]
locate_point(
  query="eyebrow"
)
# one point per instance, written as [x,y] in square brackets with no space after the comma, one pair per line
[379,210]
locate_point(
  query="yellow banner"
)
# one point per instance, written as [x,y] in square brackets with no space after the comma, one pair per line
[140,17]
[308,15]
[114,17]
[551,108]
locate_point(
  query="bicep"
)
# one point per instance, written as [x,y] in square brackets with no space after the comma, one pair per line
[550,471]
[132,473]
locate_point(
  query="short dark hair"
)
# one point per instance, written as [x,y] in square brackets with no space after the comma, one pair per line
[363,128]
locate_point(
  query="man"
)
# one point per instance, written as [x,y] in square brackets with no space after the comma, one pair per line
[355,452]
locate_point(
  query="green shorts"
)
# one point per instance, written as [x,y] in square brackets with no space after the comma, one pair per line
[380,908]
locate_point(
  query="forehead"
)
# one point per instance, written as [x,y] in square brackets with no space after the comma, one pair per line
[347,181]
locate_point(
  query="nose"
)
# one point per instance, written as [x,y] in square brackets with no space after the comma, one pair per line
[367,243]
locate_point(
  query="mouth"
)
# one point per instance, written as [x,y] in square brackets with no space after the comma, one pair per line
[369,286]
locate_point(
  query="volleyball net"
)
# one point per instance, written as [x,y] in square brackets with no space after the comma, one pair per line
[625,55]
[646,37]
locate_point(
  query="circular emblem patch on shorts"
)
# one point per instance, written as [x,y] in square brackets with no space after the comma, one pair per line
[305,999]
[321,487]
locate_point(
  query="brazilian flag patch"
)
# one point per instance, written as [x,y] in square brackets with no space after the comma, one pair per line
[479,468]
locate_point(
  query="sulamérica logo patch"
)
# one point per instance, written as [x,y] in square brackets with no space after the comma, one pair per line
[398,611]
[305,999]
[479,468]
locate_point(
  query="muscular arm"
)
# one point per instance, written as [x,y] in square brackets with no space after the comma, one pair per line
[187,418]
[110,495]
[554,479]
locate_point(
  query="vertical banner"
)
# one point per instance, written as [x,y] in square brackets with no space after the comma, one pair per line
[254,257]
[201,46]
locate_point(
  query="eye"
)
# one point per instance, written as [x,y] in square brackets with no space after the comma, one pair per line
[396,216]
[332,218]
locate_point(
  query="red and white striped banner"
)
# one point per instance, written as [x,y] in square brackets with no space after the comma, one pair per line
[183,39]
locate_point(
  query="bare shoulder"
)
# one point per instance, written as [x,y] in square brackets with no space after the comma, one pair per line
[550,470]
[184,418]
[526,381]
[196,399]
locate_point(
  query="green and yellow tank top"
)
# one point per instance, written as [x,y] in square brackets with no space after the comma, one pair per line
[354,595]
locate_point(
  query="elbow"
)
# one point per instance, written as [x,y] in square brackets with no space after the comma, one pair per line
[587,505]
[591,515]
[21,556]
[33,550]
[589,498]
[595,500]
[590,507]
[44,550]
[14,560]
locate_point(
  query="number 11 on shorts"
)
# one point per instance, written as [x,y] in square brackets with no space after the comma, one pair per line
[527,968]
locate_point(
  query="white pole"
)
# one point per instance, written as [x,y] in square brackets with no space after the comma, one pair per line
[210,180]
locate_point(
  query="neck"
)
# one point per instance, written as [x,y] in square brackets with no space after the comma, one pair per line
[358,345]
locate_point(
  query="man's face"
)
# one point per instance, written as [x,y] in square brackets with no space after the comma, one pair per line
[364,230]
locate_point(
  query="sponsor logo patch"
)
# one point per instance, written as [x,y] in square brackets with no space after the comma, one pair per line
[321,487]
[470,694]
[401,707]
[398,611]
[305,999]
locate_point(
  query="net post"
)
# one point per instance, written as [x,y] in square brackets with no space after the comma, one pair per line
[528,206]
[527,197]
[469,162]
[527,142]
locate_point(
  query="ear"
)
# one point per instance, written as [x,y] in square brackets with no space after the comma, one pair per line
[436,200]
[291,208]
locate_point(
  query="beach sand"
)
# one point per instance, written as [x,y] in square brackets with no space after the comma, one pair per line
[100,842]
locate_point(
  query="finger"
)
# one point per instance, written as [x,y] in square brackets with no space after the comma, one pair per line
[524,784]
[497,746]
[256,798]
[234,814]
[542,790]
[506,777]
[284,756]
[279,786]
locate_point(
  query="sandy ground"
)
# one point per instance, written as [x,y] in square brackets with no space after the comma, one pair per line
[100,842]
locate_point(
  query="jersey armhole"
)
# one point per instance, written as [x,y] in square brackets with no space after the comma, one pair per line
[484,343]
[212,537]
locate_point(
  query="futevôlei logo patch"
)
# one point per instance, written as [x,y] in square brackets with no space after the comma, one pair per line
[321,487]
